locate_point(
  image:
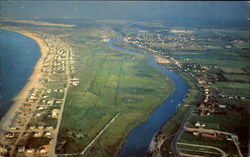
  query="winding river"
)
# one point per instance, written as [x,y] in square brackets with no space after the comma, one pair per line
[138,140]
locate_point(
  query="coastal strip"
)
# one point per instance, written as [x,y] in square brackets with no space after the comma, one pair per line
[33,81]
[34,100]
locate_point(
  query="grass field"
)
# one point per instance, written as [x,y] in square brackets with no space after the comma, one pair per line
[220,142]
[237,77]
[233,88]
[111,82]
[196,150]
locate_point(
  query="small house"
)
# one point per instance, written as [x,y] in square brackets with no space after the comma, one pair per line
[10,135]
[49,127]
[33,127]
[209,135]
[55,113]
[196,133]
[30,151]
[44,149]
[222,106]
[48,134]
[38,133]
[21,149]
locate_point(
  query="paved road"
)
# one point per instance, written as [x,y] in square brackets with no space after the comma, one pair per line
[51,152]
[100,133]
[219,132]
[205,146]
[24,128]
[184,122]
[238,147]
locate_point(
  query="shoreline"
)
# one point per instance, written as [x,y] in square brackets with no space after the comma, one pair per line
[32,81]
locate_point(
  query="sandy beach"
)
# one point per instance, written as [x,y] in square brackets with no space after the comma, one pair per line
[33,81]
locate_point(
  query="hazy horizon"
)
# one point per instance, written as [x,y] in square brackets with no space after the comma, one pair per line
[130,10]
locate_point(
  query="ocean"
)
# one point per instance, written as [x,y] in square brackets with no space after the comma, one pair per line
[18,56]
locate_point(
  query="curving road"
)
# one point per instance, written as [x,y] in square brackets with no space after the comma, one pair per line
[203,146]
[184,122]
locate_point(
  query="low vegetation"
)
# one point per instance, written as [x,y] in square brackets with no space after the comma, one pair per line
[111,82]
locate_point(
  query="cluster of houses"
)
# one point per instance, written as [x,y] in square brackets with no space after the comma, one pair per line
[143,40]
[3,150]
[208,106]
[199,130]
[162,60]
[19,127]
[182,40]
[203,73]
[203,132]
[40,151]
[56,58]
[38,116]
[25,111]
[175,40]
[59,55]
[233,97]
[22,128]
[74,81]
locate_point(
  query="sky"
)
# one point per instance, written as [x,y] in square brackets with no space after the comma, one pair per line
[159,10]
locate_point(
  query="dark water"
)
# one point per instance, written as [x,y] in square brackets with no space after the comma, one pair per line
[18,55]
[138,140]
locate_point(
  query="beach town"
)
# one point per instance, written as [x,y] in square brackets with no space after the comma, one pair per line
[37,109]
